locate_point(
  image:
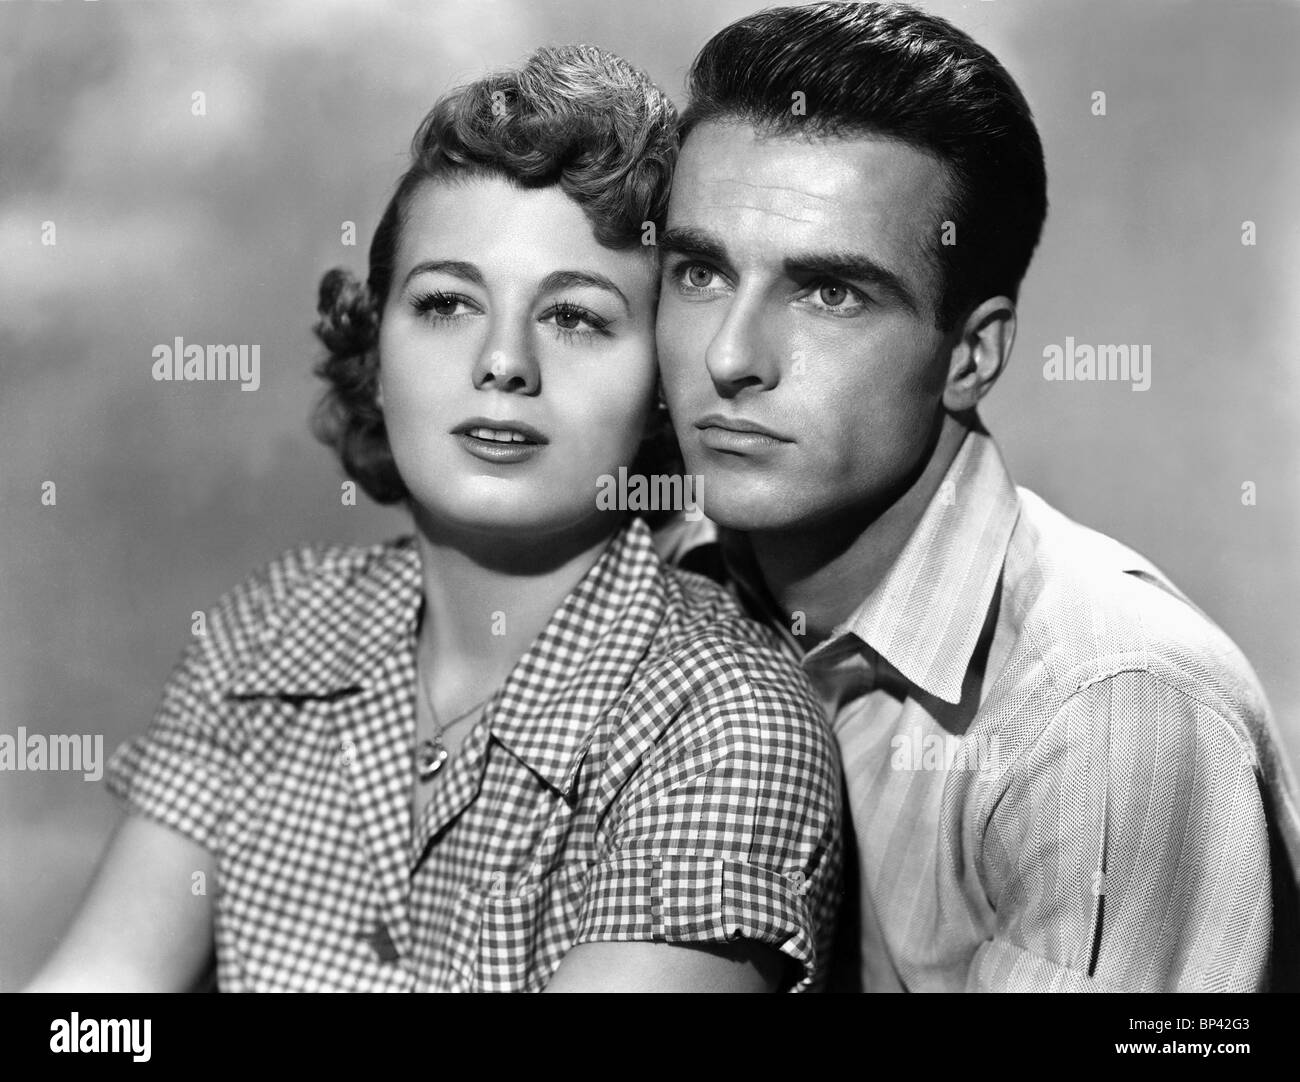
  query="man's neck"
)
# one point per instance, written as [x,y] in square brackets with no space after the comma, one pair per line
[826,571]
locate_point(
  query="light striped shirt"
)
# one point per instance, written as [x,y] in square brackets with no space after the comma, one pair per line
[1061,775]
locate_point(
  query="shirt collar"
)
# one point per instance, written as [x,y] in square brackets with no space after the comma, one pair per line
[340,631]
[924,618]
[584,658]
[926,615]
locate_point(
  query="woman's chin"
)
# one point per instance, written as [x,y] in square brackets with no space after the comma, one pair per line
[498,522]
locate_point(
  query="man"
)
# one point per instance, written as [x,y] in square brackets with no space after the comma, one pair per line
[1061,775]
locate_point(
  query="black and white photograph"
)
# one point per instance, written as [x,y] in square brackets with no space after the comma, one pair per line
[596,496]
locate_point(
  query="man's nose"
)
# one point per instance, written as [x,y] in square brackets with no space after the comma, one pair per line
[740,354]
[508,361]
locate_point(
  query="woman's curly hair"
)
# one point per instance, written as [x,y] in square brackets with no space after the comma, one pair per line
[574,116]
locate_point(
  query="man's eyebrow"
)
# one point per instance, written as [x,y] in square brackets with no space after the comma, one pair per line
[456,267]
[852,267]
[848,266]
[687,241]
[567,279]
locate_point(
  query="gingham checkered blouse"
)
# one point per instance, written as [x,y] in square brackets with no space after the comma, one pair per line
[652,769]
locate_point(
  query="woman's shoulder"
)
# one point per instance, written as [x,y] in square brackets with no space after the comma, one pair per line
[706,620]
[731,672]
[724,728]
[298,585]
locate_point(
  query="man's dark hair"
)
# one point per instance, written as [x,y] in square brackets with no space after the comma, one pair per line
[893,70]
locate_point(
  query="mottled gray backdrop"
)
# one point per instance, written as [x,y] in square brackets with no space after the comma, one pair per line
[216,228]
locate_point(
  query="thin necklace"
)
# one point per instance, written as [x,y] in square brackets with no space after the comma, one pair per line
[431,754]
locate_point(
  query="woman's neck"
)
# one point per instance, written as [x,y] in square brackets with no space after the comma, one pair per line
[486,600]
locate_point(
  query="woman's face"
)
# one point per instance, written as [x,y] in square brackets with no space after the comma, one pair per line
[517,358]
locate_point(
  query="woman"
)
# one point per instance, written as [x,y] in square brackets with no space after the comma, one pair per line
[513,751]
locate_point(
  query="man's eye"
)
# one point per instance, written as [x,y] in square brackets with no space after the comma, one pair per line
[698,276]
[836,297]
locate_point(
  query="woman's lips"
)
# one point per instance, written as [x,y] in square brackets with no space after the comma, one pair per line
[498,450]
[499,441]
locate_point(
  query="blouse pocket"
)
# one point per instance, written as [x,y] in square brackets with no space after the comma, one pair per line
[523,934]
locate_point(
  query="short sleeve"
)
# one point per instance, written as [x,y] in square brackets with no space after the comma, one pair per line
[178,772]
[731,828]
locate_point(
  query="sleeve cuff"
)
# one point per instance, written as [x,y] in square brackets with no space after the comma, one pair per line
[700,900]
[164,784]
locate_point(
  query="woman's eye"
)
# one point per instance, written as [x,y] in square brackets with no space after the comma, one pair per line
[568,319]
[441,305]
[574,319]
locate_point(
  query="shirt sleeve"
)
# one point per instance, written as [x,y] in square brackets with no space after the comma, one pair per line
[178,772]
[730,828]
[1130,852]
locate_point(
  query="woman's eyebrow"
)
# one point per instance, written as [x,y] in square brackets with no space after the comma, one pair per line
[567,279]
[456,267]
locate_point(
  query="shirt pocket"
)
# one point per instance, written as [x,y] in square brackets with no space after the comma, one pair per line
[524,934]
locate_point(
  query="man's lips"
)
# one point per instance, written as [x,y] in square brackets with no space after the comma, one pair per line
[739,426]
[499,431]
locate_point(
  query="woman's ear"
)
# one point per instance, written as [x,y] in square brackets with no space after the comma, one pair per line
[657,417]
[980,354]
[377,370]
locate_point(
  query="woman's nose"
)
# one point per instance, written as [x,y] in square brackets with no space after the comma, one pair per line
[507,362]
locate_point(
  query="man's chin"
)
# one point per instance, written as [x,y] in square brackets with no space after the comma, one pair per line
[739,508]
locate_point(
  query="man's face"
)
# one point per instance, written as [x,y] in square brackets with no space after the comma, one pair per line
[797,339]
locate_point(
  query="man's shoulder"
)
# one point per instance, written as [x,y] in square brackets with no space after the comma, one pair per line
[1111,663]
[1090,608]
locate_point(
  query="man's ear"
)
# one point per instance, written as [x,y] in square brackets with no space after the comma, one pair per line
[980,354]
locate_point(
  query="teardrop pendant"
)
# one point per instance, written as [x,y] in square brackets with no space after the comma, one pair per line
[429,757]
